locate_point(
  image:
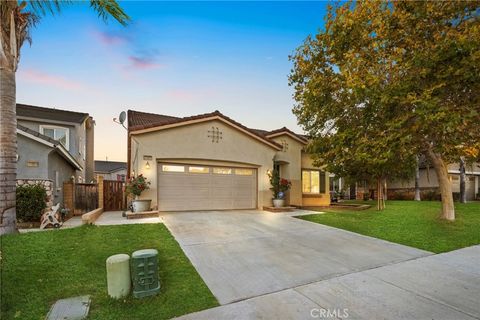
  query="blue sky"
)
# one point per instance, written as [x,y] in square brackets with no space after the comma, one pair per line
[175,58]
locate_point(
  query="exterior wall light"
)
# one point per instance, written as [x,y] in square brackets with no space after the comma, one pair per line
[147,166]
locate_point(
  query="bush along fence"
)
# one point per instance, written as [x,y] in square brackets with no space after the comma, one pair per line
[47,185]
[31,202]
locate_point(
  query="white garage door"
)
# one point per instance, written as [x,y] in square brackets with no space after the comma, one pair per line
[199,187]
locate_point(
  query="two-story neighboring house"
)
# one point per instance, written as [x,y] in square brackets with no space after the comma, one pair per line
[54,146]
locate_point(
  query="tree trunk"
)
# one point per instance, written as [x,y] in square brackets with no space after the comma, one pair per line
[380,201]
[448,208]
[385,192]
[417,181]
[463,194]
[378,195]
[8,151]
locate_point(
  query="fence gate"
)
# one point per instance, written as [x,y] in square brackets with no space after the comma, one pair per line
[86,197]
[113,195]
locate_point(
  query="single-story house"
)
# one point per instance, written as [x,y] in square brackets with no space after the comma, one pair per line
[111,170]
[210,162]
[428,181]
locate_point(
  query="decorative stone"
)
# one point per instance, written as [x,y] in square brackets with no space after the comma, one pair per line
[118,275]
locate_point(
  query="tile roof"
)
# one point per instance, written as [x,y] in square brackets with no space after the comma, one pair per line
[25,110]
[285,129]
[109,166]
[141,120]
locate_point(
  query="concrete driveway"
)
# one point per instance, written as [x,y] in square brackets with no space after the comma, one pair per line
[245,254]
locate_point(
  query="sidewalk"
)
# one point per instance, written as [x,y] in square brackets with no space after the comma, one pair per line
[442,286]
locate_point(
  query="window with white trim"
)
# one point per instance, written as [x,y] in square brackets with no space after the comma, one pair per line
[60,134]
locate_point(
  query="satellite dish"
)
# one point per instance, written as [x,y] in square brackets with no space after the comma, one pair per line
[122,117]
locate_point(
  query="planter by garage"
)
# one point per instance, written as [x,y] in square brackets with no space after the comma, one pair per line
[141,205]
[278,203]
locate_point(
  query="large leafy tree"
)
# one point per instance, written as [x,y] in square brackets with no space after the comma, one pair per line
[17,18]
[385,81]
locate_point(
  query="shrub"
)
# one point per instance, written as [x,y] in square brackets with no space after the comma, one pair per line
[30,202]
[136,185]
[366,196]
[279,185]
[431,195]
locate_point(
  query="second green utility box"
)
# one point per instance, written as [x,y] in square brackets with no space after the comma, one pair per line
[144,271]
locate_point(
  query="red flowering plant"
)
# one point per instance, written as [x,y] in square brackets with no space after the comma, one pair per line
[279,185]
[136,185]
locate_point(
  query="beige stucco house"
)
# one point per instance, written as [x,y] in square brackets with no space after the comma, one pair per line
[428,180]
[209,162]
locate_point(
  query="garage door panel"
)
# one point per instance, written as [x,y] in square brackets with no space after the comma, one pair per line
[217,189]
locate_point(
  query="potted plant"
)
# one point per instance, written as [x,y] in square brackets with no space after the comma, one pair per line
[279,187]
[135,186]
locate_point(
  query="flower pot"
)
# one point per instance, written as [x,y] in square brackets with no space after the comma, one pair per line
[141,205]
[278,203]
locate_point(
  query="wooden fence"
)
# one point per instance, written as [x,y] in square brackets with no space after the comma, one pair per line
[86,197]
[113,195]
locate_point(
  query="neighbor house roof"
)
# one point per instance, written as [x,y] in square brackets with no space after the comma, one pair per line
[141,120]
[109,166]
[34,135]
[285,130]
[29,111]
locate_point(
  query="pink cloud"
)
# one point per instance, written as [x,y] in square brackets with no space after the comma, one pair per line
[43,78]
[143,63]
[110,39]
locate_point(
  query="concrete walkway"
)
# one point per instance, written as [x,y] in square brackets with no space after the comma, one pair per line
[245,254]
[444,286]
[113,218]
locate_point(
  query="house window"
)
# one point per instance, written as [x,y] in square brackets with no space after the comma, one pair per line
[222,171]
[121,177]
[244,172]
[198,169]
[313,181]
[171,168]
[57,133]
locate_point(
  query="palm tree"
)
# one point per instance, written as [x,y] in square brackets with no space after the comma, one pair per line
[16,20]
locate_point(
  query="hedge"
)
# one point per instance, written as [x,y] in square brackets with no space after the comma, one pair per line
[30,202]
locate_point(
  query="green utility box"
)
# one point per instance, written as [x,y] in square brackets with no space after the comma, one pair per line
[145,273]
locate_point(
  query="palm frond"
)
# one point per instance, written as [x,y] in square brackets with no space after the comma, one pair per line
[110,8]
[43,7]
[104,8]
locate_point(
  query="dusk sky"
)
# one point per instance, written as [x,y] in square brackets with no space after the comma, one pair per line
[175,58]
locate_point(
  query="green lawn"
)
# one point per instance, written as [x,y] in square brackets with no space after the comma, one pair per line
[411,223]
[39,268]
